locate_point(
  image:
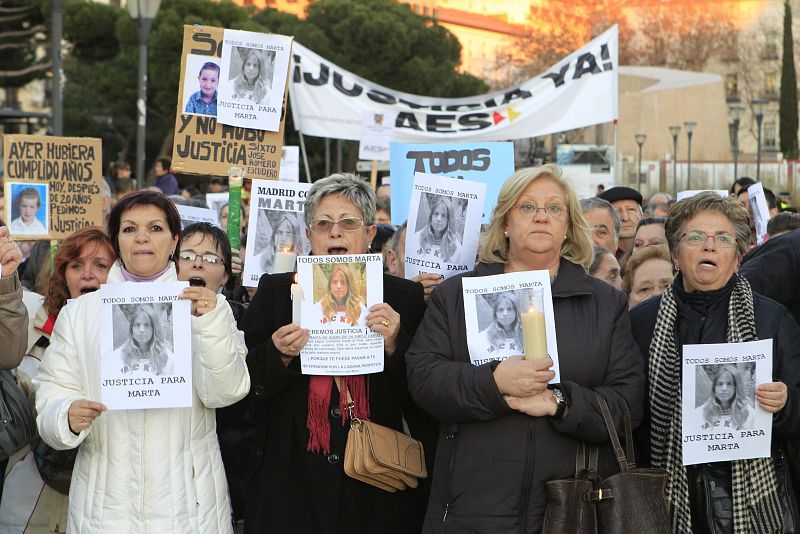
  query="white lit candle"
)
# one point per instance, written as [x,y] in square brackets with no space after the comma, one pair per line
[297,300]
[284,261]
[534,334]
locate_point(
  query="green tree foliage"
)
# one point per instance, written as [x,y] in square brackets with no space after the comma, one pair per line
[381,40]
[788,104]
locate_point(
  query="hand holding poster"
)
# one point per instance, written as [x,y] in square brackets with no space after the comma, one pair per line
[721,419]
[489,163]
[53,185]
[277,229]
[146,346]
[494,316]
[444,224]
[338,291]
[759,210]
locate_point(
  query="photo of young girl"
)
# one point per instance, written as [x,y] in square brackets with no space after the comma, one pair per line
[251,74]
[28,209]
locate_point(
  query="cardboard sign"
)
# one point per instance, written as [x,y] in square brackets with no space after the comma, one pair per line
[53,185]
[490,163]
[204,146]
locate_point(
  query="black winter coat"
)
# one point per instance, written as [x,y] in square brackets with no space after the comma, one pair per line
[492,462]
[703,318]
[296,491]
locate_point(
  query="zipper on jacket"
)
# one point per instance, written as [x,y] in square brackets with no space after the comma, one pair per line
[450,435]
[526,489]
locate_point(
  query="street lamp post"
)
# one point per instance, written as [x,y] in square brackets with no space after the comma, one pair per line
[144,11]
[758,111]
[640,139]
[736,118]
[689,125]
[674,131]
[58,69]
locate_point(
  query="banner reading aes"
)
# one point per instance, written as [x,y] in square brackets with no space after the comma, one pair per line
[202,144]
[52,185]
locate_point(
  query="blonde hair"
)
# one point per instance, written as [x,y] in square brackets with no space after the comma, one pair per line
[577,247]
[352,303]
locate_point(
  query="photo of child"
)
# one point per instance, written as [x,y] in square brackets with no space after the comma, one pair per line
[204,101]
[28,209]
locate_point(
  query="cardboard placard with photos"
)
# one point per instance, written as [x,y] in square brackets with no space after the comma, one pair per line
[202,145]
[53,185]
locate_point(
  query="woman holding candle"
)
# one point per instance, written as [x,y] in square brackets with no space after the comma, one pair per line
[708,302]
[504,432]
[142,470]
[298,482]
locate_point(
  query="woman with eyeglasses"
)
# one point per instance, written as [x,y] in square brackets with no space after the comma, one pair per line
[298,483]
[504,432]
[708,302]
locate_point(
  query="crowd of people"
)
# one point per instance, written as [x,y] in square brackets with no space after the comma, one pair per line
[262,448]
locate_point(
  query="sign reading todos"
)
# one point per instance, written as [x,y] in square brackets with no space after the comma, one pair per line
[53,185]
[203,145]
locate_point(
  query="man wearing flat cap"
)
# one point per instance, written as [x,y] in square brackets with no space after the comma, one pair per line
[627,203]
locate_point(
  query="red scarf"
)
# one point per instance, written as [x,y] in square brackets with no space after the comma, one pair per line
[319,400]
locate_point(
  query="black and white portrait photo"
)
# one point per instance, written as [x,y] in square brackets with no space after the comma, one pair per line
[250,74]
[499,321]
[280,235]
[439,227]
[143,339]
[725,397]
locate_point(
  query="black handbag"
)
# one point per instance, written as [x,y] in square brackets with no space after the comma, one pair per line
[632,500]
[17,426]
[55,467]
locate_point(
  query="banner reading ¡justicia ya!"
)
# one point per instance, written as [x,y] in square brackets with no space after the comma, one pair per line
[581,90]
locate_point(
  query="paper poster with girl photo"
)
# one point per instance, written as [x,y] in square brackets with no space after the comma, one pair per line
[28,209]
[253,80]
[444,224]
[337,292]
[510,315]
[146,346]
[721,418]
[277,229]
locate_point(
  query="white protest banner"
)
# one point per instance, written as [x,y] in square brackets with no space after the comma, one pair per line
[494,315]
[146,346]
[277,229]
[336,292]
[444,225]
[290,164]
[377,131]
[192,214]
[253,79]
[692,192]
[721,419]
[52,185]
[489,163]
[581,90]
[759,210]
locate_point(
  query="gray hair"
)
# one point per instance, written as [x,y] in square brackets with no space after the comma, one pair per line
[596,203]
[394,241]
[106,189]
[599,252]
[351,186]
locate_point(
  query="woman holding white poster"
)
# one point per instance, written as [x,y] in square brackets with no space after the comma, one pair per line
[298,483]
[156,470]
[504,431]
[708,302]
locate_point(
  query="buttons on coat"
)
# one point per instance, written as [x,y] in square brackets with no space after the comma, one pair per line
[259,452]
[333,458]
[259,391]
[336,413]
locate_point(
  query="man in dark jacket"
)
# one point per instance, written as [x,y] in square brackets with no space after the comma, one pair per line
[165,180]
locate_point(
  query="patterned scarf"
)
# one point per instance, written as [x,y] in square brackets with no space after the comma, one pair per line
[756,507]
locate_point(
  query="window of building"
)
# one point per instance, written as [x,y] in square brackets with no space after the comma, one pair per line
[732,86]
[770,134]
[771,84]
[771,45]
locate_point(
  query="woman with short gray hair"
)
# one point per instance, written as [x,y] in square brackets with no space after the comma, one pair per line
[298,481]
[708,302]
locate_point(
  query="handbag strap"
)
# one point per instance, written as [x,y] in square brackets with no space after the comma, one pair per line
[586,459]
[619,452]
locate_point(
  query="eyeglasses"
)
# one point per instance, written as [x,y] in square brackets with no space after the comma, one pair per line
[695,238]
[553,210]
[348,224]
[188,255]
[600,230]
